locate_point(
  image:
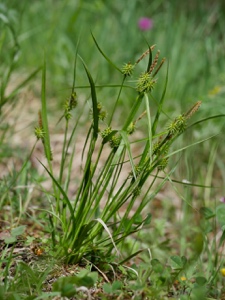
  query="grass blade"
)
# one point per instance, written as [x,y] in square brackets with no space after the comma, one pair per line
[21,85]
[155,122]
[44,117]
[94,101]
[103,54]
[127,145]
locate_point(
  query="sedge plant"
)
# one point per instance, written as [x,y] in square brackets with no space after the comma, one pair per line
[92,225]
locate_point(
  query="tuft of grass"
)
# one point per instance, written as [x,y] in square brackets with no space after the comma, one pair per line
[91,225]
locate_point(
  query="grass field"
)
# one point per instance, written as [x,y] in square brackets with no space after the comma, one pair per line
[111,151]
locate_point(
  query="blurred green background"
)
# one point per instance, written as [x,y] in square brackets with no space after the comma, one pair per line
[190,34]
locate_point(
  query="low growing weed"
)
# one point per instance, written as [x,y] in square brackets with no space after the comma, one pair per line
[91,224]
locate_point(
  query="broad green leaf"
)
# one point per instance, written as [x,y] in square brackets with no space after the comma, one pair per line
[107,288]
[176,262]
[18,230]
[10,240]
[157,266]
[117,285]
[201,280]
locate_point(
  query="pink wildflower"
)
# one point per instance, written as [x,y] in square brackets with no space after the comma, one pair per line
[145,23]
[222,199]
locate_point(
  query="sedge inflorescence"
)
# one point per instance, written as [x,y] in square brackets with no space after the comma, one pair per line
[39,130]
[69,105]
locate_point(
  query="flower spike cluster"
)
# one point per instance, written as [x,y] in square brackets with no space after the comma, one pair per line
[161,148]
[39,130]
[70,105]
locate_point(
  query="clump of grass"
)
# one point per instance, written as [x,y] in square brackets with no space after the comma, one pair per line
[90,226]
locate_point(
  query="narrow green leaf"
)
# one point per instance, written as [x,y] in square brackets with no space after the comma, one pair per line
[109,233]
[161,101]
[44,116]
[182,149]
[222,238]
[186,183]
[103,54]
[150,58]
[94,101]
[133,111]
[127,145]
[149,126]
[206,119]
[128,258]
[198,243]
[21,85]
[65,198]
[207,212]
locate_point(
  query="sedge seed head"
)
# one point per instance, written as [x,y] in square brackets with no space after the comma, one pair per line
[145,83]
[127,69]
[101,112]
[102,115]
[193,110]
[178,125]
[154,63]
[106,132]
[73,101]
[40,119]
[115,141]
[131,128]
[69,105]
[145,53]
[39,132]
[67,115]
[156,148]
[67,110]
[163,164]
